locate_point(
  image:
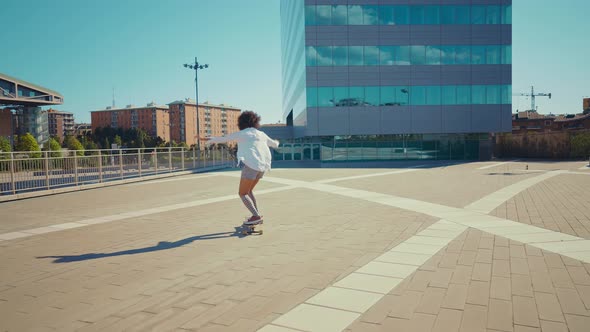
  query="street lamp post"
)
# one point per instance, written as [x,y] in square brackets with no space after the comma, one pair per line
[196,66]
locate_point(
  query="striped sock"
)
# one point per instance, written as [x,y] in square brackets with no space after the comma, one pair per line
[251,195]
[249,204]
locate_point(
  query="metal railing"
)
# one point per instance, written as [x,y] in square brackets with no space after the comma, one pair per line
[22,172]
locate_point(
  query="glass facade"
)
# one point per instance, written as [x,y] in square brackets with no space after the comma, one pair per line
[348,67]
[339,96]
[407,14]
[407,55]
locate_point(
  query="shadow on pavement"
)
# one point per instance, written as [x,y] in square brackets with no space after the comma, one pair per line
[162,245]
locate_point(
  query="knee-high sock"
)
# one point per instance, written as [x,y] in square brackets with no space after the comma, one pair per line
[249,204]
[251,195]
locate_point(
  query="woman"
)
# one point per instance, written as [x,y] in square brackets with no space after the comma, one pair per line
[253,157]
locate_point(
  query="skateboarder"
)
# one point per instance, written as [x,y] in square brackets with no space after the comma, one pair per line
[253,157]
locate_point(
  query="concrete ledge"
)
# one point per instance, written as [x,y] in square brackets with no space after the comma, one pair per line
[48,192]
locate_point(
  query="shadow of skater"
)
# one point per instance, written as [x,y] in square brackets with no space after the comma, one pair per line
[162,245]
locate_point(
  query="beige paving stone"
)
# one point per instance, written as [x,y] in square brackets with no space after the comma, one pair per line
[448,320]
[403,306]
[521,285]
[431,301]
[525,311]
[481,272]
[478,293]
[570,302]
[474,318]
[455,297]
[500,288]
[500,315]
[520,328]
[345,299]
[577,323]
[549,326]
[501,268]
[548,307]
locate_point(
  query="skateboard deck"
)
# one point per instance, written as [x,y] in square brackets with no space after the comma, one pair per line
[251,229]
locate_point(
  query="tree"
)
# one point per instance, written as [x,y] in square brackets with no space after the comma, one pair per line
[5,144]
[72,143]
[53,145]
[28,143]
[118,141]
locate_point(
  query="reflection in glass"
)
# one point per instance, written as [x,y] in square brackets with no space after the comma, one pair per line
[478,94]
[355,15]
[449,95]
[341,96]
[340,55]
[310,15]
[339,15]
[356,96]
[447,55]
[387,96]
[478,55]
[493,54]
[462,55]
[432,55]
[310,56]
[370,15]
[324,55]
[433,95]
[493,94]
[416,14]
[325,96]
[386,55]
[402,95]
[402,55]
[478,15]
[418,95]
[506,94]
[418,54]
[431,15]
[463,94]
[312,97]
[506,54]
[324,15]
[461,14]
[507,14]
[355,55]
[371,56]
[401,14]
[386,15]
[372,95]
[493,15]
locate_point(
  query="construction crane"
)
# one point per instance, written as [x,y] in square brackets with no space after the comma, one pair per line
[533,95]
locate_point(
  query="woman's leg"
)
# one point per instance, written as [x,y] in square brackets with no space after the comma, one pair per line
[246,186]
[251,193]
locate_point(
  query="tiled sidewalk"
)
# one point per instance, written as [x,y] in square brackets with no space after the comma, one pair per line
[363,244]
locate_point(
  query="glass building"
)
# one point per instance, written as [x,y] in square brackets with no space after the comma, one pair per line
[395,79]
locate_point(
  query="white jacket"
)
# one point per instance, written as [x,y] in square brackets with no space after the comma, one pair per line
[253,147]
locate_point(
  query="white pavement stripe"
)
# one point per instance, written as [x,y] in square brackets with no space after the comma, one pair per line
[498,164]
[337,306]
[182,178]
[401,171]
[128,215]
[580,173]
[492,201]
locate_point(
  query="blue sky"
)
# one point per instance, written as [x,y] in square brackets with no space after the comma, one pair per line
[85,48]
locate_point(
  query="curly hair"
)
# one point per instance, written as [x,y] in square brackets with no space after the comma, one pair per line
[248,119]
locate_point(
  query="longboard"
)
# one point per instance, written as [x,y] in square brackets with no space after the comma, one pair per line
[251,229]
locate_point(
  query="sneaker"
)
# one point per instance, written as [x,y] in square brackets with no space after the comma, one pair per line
[254,220]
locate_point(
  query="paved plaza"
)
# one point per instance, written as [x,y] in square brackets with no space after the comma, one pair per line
[469,247]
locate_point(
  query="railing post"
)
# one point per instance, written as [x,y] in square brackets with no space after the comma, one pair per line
[139,160]
[46,156]
[121,163]
[76,168]
[99,166]
[182,158]
[222,152]
[155,154]
[194,158]
[170,159]
[12,175]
